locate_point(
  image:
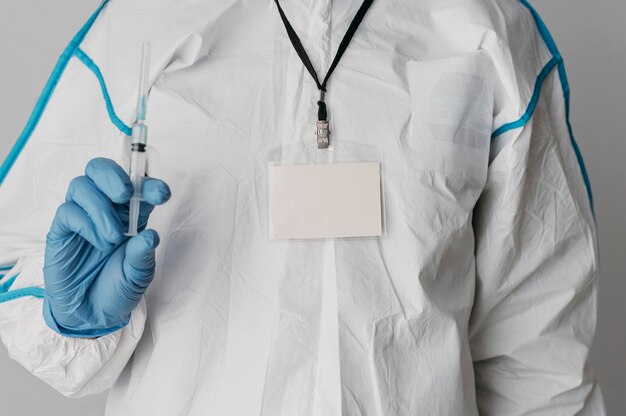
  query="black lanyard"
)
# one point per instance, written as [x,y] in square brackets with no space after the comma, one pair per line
[322,131]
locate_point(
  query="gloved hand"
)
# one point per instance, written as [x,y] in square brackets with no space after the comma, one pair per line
[95,275]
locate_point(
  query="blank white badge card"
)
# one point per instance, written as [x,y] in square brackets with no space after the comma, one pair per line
[319,201]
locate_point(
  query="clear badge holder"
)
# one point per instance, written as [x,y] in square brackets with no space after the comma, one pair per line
[309,194]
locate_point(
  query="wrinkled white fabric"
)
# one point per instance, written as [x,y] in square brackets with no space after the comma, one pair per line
[481,297]
[75,367]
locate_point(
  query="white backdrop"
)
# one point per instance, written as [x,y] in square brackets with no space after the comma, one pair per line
[592,38]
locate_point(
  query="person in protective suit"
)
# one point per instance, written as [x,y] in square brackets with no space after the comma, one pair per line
[478,298]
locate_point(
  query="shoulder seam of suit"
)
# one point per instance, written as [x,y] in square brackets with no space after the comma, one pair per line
[555,62]
[93,67]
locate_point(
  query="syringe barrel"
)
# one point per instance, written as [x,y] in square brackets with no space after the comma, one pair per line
[137,175]
[133,216]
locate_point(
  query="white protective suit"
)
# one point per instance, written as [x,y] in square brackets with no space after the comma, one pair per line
[479,299]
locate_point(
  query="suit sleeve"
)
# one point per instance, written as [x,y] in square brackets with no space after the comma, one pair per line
[537,266]
[85,111]
[71,124]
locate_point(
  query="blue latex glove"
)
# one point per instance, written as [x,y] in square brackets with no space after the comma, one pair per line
[95,275]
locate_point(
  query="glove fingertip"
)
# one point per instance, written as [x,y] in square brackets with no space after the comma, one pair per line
[139,264]
[140,249]
[156,192]
[151,238]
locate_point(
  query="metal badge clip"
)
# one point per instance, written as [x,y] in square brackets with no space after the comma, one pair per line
[322,133]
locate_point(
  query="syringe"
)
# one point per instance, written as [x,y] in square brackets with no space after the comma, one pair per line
[139,143]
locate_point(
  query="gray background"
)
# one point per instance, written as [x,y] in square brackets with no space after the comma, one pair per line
[592,38]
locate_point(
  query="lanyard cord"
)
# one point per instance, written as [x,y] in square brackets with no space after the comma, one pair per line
[297,45]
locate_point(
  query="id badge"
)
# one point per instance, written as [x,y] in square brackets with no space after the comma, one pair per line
[316,194]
